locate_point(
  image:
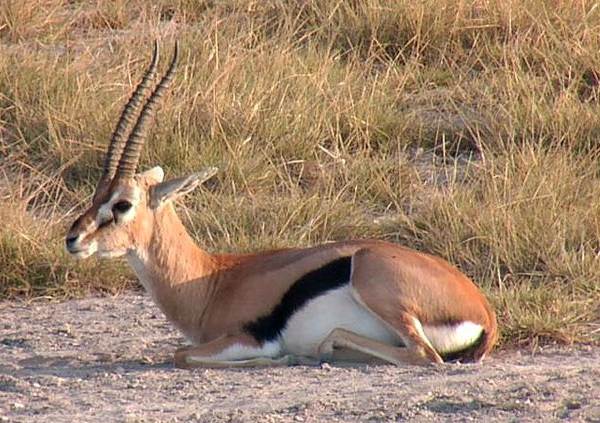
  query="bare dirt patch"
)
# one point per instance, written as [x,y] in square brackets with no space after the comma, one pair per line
[109,359]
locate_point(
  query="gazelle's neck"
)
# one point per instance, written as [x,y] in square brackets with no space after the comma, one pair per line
[174,270]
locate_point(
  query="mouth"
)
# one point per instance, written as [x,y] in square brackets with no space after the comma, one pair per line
[80,254]
[110,254]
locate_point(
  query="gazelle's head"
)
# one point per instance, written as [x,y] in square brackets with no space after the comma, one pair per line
[125,203]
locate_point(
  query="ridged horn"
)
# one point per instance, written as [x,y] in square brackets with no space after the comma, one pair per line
[133,148]
[119,136]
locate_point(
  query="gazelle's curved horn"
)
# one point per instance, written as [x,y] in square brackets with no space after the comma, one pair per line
[118,138]
[133,148]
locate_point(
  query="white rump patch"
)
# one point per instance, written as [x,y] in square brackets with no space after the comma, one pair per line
[243,352]
[451,338]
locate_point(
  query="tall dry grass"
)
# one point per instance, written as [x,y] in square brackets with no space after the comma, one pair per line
[469,129]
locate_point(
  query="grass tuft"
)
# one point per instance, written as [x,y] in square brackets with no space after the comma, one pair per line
[468,129]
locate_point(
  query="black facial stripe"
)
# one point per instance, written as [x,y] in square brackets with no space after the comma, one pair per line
[331,276]
[76,223]
[106,223]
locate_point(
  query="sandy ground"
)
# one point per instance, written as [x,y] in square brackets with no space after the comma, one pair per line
[109,359]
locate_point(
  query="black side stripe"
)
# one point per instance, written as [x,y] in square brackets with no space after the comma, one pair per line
[313,284]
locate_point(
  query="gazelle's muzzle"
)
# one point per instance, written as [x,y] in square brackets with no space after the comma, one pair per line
[79,249]
[76,242]
[71,243]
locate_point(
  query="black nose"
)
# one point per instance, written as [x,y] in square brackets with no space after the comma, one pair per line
[71,240]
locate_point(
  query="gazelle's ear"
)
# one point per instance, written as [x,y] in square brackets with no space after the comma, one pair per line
[170,190]
[152,176]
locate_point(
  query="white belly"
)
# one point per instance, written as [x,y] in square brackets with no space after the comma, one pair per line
[309,326]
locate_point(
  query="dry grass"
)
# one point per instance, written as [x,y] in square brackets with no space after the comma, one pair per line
[469,129]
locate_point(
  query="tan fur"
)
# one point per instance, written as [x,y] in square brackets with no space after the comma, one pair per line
[210,297]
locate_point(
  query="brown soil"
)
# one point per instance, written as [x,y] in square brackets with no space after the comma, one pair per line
[109,359]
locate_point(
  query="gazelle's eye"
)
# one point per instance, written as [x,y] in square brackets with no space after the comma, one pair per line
[121,206]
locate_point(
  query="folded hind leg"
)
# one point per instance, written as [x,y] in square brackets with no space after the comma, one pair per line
[350,341]
[374,286]
[409,329]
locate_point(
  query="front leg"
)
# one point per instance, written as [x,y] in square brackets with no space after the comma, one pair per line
[236,351]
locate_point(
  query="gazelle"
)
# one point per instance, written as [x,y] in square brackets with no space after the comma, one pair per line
[358,300]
